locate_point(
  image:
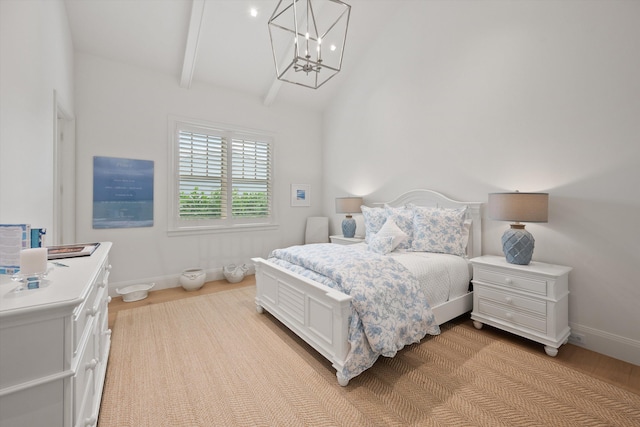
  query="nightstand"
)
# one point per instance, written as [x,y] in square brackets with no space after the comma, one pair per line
[527,300]
[341,240]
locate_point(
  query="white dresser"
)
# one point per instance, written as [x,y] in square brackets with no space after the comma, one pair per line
[527,300]
[54,345]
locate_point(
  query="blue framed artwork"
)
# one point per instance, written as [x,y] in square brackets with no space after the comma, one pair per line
[300,195]
[122,193]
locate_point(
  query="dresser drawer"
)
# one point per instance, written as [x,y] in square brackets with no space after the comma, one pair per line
[83,384]
[23,345]
[90,307]
[103,332]
[515,301]
[513,317]
[83,315]
[529,284]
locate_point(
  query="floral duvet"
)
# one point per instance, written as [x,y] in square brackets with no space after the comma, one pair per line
[389,308]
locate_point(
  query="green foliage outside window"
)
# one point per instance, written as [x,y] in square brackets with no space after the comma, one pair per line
[198,205]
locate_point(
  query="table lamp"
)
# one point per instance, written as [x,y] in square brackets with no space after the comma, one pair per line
[348,205]
[518,243]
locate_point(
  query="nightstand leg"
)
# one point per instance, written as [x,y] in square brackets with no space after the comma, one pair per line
[477,324]
[551,351]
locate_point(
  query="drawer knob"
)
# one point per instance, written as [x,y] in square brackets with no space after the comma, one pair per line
[509,316]
[508,281]
[90,421]
[92,311]
[92,365]
[509,300]
[108,300]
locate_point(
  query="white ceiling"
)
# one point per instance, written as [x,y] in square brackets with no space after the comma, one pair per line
[223,45]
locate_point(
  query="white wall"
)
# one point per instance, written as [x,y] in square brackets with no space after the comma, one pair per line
[123,111]
[36,59]
[535,96]
[472,97]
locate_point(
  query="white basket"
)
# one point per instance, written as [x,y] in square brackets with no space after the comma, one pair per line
[135,292]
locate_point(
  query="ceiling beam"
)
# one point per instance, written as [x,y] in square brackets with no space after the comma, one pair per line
[191,48]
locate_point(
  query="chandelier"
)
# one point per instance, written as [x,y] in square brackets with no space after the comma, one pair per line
[307,39]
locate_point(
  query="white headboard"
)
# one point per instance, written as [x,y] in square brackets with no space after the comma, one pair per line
[430,198]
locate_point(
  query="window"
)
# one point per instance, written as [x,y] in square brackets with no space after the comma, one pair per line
[222,178]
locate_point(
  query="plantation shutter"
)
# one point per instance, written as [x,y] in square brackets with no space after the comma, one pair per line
[203,187]
[250,178]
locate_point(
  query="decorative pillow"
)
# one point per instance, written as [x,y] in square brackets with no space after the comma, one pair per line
[390,228]
[374,219]
[359,226]
[438,230]
[403,217]
[380,244]
[466,229]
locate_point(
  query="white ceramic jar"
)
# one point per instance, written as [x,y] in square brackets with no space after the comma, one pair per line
[192,279]
[235,273]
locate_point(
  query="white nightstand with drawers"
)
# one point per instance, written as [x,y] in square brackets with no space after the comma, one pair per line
[341,240]
[527,300]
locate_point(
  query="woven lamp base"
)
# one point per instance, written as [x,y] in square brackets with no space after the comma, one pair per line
[517,245]
[349,226]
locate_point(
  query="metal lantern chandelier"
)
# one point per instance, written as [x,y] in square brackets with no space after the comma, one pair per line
[307,39]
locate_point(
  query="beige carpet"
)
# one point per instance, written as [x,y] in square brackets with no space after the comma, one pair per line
[212,360]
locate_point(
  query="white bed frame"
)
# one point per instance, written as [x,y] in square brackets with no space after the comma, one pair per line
[320,315]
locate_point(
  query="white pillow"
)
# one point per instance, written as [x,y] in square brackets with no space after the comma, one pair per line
[466,229]
[438,230]
[403,217]
[360,229]
[390,228]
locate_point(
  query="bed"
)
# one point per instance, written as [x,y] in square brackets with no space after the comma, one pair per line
[333,322]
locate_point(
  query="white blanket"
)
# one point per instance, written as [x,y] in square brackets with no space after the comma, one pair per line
[441,276]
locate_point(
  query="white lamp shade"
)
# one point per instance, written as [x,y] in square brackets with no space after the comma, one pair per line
[519,207]
[348,205]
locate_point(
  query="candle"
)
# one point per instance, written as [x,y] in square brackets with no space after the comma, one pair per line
[33,261]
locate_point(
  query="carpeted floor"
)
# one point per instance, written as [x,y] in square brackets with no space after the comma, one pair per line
[212,360]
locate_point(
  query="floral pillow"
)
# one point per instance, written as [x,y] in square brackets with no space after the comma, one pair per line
[374,219]
[403,217]
[390,228]
[380,244]
[438,230]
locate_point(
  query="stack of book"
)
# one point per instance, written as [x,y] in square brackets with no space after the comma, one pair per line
[13,239]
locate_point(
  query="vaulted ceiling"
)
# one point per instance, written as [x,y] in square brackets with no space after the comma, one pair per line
[215,42]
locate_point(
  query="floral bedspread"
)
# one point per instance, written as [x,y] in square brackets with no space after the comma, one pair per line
[389,309]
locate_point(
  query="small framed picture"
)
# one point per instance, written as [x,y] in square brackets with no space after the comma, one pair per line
[300,195]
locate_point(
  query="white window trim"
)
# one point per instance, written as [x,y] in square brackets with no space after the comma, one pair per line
[177,227]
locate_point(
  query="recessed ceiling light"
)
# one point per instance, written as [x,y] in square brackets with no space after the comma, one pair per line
[253,12]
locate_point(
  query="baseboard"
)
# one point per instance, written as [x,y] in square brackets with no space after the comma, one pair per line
[172,281]
[609,344]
